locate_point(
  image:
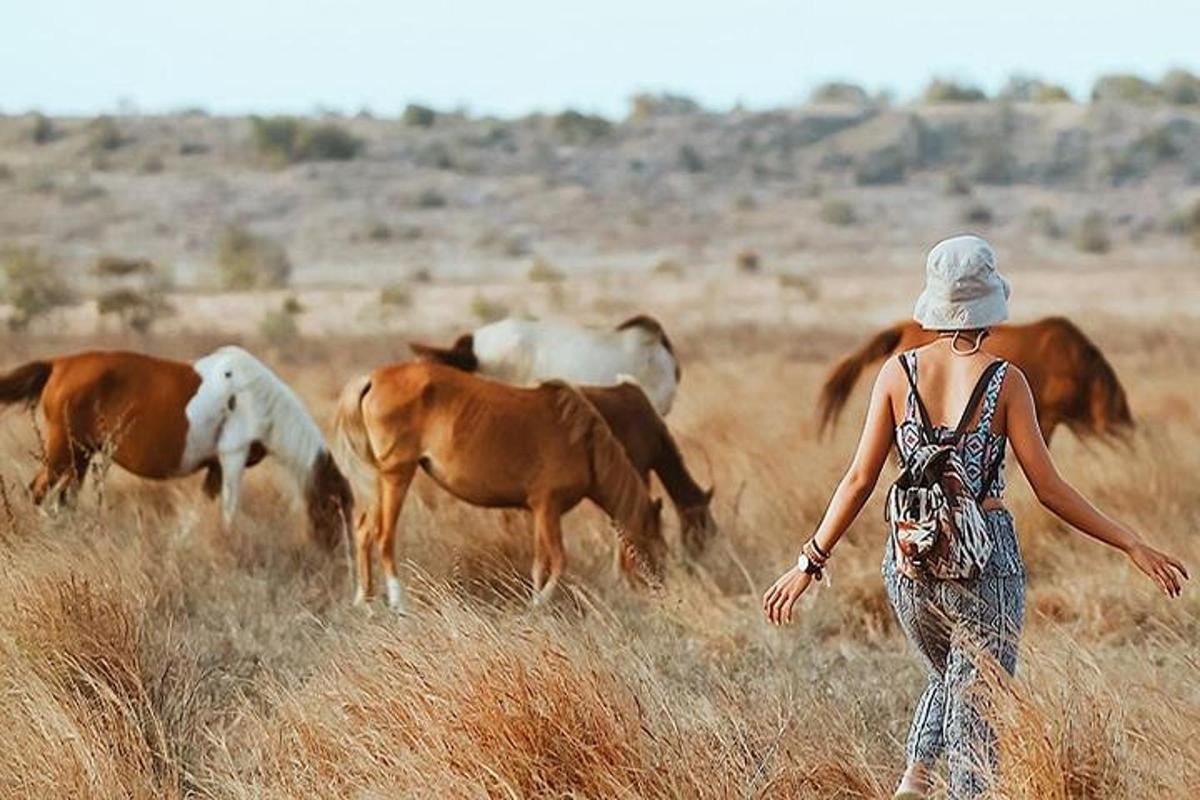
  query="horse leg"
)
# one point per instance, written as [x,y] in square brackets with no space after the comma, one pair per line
[360,572]
[393,489]
[233,464]
[58,469]
[548,550]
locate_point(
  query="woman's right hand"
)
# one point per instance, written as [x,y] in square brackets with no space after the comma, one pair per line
[1161,568]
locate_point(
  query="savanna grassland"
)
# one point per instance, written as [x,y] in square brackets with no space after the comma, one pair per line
[144,653]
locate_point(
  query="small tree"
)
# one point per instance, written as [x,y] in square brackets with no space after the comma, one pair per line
[1180,87]
[946,91]
[246,260]
[43,129]
[1123,88]
[419,116]
[840,93]
[33,286]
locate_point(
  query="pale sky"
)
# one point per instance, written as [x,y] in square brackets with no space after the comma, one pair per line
[515,56]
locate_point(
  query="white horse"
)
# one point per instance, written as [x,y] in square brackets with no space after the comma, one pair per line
[164,419]
[527,352]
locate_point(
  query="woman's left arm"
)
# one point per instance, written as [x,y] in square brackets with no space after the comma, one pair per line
[851,495]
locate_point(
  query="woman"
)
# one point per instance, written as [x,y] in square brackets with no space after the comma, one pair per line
[949,621]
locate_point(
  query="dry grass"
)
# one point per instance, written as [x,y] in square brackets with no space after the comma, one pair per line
[144,654]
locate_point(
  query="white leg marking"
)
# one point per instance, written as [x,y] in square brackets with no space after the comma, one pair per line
[395,593]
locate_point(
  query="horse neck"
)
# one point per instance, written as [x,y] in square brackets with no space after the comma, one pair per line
[617,488]
[290,434]
[680,485]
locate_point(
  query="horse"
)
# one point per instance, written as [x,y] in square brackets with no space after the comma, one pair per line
[527,352]
[163,419]
[648,443]
[1073,383]
[492,445]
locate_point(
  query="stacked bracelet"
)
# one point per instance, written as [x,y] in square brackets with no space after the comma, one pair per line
[813,559]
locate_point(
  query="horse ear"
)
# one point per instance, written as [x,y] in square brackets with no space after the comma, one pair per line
[708,495]
[656,505]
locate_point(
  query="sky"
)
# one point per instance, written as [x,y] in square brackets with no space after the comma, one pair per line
[510,57]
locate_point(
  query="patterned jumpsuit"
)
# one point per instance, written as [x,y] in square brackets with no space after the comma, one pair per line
[948,622]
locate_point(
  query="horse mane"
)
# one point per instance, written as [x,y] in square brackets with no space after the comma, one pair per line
[618,487]
[1106,407]
[842,377]
[290,433]
[653,326]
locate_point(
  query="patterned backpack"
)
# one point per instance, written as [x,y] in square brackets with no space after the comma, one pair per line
[937,526]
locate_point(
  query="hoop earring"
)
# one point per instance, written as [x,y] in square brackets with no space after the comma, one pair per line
[974,347]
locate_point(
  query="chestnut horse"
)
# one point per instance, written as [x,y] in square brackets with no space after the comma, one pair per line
[165,419]
[526,352]
[492,445]
[650,446]
[1072,382]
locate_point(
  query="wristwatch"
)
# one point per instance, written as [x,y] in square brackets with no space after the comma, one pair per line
[807,565]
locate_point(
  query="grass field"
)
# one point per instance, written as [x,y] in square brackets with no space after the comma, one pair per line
[145,654]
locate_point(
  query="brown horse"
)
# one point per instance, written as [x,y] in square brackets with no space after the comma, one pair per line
[1072,382]
[648,442]
[164,419]
[492,445]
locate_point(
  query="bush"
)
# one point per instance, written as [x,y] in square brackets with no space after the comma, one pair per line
[286,140]
[104,135]
[748,262]
[668,267]
[137,310]
[946,91]
[120,267]
[419,116]
[542,271]
[1180,87]
[957,185]
[838,212]
[395,295]
[247,260]
[378,231]
[646,106]
[689,159]
[576,128]
[881,167]
[33,286]
[1091,236]
[486,310]
[978,214]
[43,130]
[1025,89]
[1187,223]
[1123,88]
[1043,222]
[803,284]
[841,93]
[430,198]
[278,327]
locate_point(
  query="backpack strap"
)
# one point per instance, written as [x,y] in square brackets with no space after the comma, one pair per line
[914,396]
[981,386]
[985,422]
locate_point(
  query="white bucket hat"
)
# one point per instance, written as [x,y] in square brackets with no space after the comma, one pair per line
[963,290]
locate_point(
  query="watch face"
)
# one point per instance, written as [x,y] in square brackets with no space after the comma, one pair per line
[804,563]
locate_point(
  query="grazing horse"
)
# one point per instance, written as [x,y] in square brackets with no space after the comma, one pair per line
[492,445]
[165,419]
[527,352]
[1072,382]
[648,443]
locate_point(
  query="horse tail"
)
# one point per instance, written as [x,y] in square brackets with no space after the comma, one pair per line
[460,356]
[25,383]
[352,443]
[841,379]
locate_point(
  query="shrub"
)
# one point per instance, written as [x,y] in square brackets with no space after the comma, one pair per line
[947,91]
[646,106]
[33,286]
[886,165]
[486,310]
[1051,93]
[978,214]
[689,159]
[669,267]
[1180,87]
[1123,88]
[395,295]
[278,327]
[104,135]
[576,128]
[430,198]
[1091,236]
[957,185]
[803,284]
[120,267]
[286,140]
[246,260]
[836,211]
[995,162]
[745,202]
[542,271]
[378,231]
[841,93]
[137,310]
[1187,223]
[1025,89]
[419,116]
[43,130]
[748,262]
[152,165]
[1042,221]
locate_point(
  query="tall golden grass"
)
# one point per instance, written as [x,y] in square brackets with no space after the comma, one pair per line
[144,653]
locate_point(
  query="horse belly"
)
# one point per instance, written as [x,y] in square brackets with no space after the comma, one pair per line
[486,493]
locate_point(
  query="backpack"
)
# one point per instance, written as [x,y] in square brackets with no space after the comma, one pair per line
[937,526]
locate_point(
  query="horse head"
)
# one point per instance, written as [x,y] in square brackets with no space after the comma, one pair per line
[330,503]
[697,526]
[643,554]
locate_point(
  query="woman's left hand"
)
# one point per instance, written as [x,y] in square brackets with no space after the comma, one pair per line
[779,599]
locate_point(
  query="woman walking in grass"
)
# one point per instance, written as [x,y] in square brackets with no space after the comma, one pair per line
[952,566]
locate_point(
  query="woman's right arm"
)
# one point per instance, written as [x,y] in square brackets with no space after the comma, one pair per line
[1063,499]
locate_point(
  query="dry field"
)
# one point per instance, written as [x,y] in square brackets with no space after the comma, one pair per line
[143,654]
